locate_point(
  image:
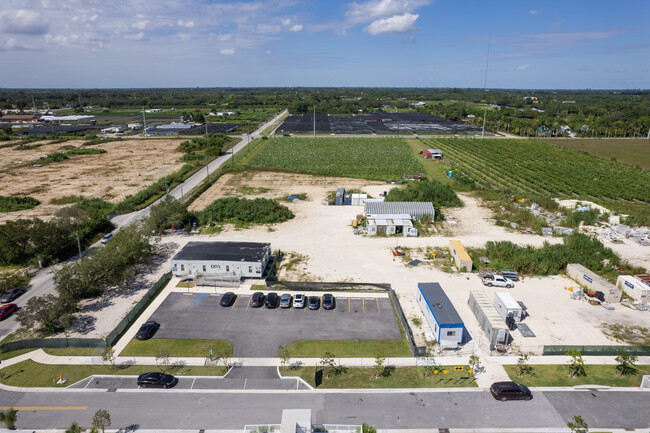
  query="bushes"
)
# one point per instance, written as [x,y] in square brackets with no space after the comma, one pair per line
[12,204]
[93,205]
[574,219]
[244,211]
[552,259]
[426,190]
[86,151]
[214,143]
[11,279]
[52,157]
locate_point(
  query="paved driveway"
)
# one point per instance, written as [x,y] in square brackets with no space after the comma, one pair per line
[257,332]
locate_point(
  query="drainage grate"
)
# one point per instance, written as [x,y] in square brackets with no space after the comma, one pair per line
[443,430]
[525,330]
[111,390]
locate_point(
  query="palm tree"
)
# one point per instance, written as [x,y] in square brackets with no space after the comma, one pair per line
[9,418]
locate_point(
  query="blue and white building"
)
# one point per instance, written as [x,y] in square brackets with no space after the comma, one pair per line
[447,326]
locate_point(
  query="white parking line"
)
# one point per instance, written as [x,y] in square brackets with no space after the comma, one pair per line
[245,381]
[90,379]
[192,386]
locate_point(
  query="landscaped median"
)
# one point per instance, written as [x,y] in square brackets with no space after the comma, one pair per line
[385,377]
[558,375]
[349,348]
[178,347]
[32,374]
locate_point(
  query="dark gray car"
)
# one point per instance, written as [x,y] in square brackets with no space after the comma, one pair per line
[285,301]
[12,294]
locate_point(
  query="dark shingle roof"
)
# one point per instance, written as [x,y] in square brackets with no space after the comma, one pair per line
[226,251]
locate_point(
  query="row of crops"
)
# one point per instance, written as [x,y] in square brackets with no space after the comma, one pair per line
[367,158]
[528,165]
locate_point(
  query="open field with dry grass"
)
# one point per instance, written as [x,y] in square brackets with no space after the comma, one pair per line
[632,151]
[127,167]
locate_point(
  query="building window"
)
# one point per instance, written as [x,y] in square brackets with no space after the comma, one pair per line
[182,268]
[250,269]
[203,268]
[227,268]
[451,333]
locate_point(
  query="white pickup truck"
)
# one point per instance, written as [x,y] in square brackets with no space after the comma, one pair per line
[498,280]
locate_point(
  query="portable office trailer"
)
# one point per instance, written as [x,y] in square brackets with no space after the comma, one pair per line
[218,260]
[594,282]
[389,224]
[506,306]
[491,322]
[635,287]
[442,317]
[338,200]
[458,252]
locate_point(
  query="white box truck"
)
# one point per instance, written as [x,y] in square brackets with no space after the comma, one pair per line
[506,305]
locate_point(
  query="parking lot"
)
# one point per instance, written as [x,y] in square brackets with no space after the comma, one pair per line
[257,332]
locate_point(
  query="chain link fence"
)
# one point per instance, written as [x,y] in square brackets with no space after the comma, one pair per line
[598,350]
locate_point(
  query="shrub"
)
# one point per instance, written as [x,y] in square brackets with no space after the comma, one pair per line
[93,205]
[244,211]
[11,204]
[426,190]
[52,157]
[86,151]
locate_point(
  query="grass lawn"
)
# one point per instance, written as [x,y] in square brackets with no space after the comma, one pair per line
[13,353]
[177,347]
[434,169]
[185,284]
[558,375]
[349,348]
[74,351]
[32,374]
[400,377]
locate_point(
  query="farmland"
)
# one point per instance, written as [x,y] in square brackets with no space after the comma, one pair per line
[366,158]
[531,166]
[629,151]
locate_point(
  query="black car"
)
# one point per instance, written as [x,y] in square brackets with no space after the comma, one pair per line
[510,391]
[11,294]
[227,299]
[313,303]
[328,301]
[271,300]
[147,330]
[257,300]
[156,379]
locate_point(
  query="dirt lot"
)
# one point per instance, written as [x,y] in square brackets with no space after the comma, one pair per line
[127,167]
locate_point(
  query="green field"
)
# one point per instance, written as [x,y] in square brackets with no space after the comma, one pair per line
[349,348]
[177,347]
[366,158]
[558,375]
[531,166]
[632,151]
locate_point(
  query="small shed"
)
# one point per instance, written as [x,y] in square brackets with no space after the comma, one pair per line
[458,252]
[389,224]
[637,286]
[338,199]
[447,326]
[506,306]
[594,282]
[488,317]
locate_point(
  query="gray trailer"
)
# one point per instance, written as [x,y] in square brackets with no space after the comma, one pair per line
[493,325]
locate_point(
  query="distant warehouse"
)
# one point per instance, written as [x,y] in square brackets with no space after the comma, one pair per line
[211,262]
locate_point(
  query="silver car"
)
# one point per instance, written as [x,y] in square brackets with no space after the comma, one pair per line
[299,301]
[285,301]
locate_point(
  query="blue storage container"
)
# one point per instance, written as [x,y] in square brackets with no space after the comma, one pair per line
[347,199]
[339,197]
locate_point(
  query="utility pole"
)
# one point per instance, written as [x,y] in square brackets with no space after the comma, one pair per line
[648,134]
[78,244]
[144,119]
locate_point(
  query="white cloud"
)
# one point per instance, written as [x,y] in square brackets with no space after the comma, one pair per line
[140,25]
[533,12]
[186,24]
[378,9]
[523,67]
[268,52]
[135,37]
[286,22]
[296,28]
[394,24]
[227,51]
[23,21]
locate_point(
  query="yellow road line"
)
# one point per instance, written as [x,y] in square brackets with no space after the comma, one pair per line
[46,408]
[349,310]
[249,302]
[363,302]
[233,304]
[378,305]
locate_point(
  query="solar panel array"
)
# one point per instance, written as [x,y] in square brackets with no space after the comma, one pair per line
[385,123]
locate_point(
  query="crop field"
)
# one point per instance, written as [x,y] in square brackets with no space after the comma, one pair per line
[529,165]
[366,158]
[632,151]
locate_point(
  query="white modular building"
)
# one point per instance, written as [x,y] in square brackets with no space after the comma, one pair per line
[488,317]
[594,282]
[221,261]
[389,224]
[506,306]
[637,287]
[446,325]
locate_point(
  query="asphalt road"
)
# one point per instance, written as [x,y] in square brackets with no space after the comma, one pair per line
[42,283]
[176,409]
[257,332]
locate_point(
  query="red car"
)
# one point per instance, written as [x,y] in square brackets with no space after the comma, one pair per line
[6,310]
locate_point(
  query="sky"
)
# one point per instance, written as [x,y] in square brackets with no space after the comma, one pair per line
[532,44]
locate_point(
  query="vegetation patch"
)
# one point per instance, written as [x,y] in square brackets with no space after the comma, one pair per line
[51,158]
[67,199]
[558,375]
[426,190]
[628,334]
[178,347]
[366,158]
[241,211]
[11,279]
[348,348]
[85,151]
[94,205]
[629,151]
[12,204]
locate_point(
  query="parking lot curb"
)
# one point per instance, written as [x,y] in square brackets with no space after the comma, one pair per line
[300,379]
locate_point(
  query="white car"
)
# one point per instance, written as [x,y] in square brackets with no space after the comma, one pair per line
[107,237]
[299,301]
[498,280]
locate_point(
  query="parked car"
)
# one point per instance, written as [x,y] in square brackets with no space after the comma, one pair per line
[510,391]
[271,300]
[227,299]
[257,300]
[285,301]
[498,280]
[107,237]
[12,294]
[328,301]
[299,301]
[6,310]
[314,303]
[156,379]
[147,330]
